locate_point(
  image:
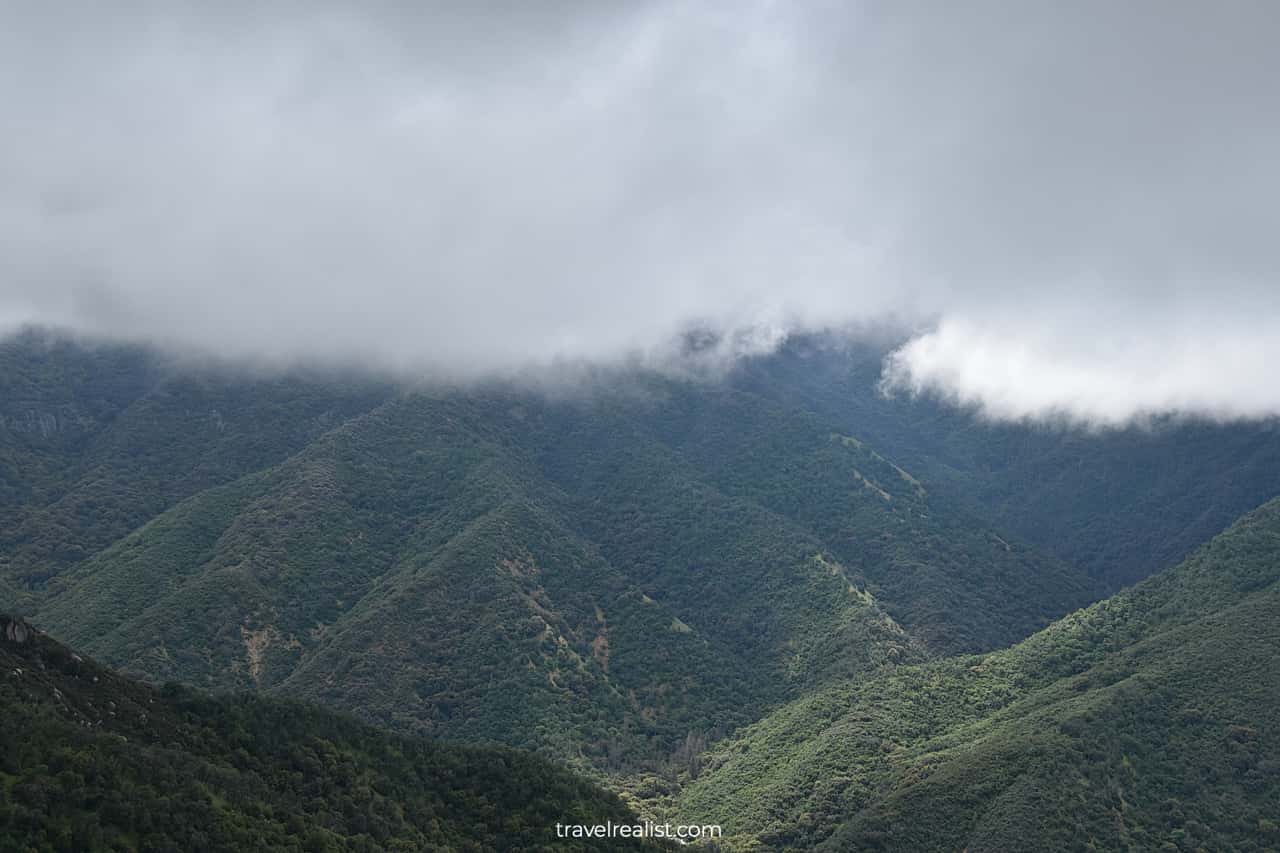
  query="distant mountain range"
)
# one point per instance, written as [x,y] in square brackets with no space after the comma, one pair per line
[776,599]
[1118,503]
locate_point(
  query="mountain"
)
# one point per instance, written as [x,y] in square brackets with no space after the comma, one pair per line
[1120,503]
[93,761]
[613,578]
[946,575]
[95,441]
[773,599]
[1146,721]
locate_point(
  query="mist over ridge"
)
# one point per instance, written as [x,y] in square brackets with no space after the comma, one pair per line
[1074,207]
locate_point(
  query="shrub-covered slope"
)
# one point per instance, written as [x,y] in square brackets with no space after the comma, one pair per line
[413,567]
[93,761]
[950,579]
[609,577]
[1146,721]
[94,442]
[1119,503]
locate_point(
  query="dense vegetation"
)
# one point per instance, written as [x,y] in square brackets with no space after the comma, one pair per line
[92,761]
[947,577]
[1119,503]
[779,601]
[95,442]
[1147,721]
[613,579]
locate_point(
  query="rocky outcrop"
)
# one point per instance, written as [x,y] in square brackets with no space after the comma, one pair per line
[45,422]
[16,630]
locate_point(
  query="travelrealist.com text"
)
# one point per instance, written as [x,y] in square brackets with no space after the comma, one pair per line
[648,829]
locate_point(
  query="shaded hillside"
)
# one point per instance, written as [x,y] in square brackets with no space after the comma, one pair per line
[607,578]
[620,577]
[413,568]
[96,441]
[1146,721]
[949,579]
[1119,503]
[92,761]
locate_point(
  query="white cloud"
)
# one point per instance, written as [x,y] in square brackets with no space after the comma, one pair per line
[1028,370]
[1082,196]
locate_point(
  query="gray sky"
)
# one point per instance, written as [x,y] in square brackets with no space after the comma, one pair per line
[1075,203]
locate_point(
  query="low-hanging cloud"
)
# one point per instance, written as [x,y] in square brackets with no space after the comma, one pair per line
[1075,202]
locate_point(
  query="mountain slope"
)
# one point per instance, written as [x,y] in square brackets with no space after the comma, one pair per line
[1144,720]
[93,761]
[622,576]
[609,578]
[1119,503]
[951,580]
[411,567]
[94,442]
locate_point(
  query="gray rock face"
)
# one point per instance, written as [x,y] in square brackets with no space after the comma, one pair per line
[17,631]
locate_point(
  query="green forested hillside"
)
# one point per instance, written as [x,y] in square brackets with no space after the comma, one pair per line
[742,602]
[614,578]
[94,442]
[409,567]
[939,570]
[92,761]
[1147,721]
[1120,503]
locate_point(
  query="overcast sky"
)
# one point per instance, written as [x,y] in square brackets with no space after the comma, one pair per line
[1074,203]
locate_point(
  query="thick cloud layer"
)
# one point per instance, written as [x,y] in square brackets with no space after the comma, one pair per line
[1075,201]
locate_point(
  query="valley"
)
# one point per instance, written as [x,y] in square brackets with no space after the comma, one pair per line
[719,597]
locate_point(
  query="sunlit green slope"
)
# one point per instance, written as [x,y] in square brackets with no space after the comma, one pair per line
[1146,721]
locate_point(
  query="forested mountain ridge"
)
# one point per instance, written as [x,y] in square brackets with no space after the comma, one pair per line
[745,600]
[940,570]
[1120,502]
[1146,721]
[96,441]
[610,577]
[93,761]
[404,567]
